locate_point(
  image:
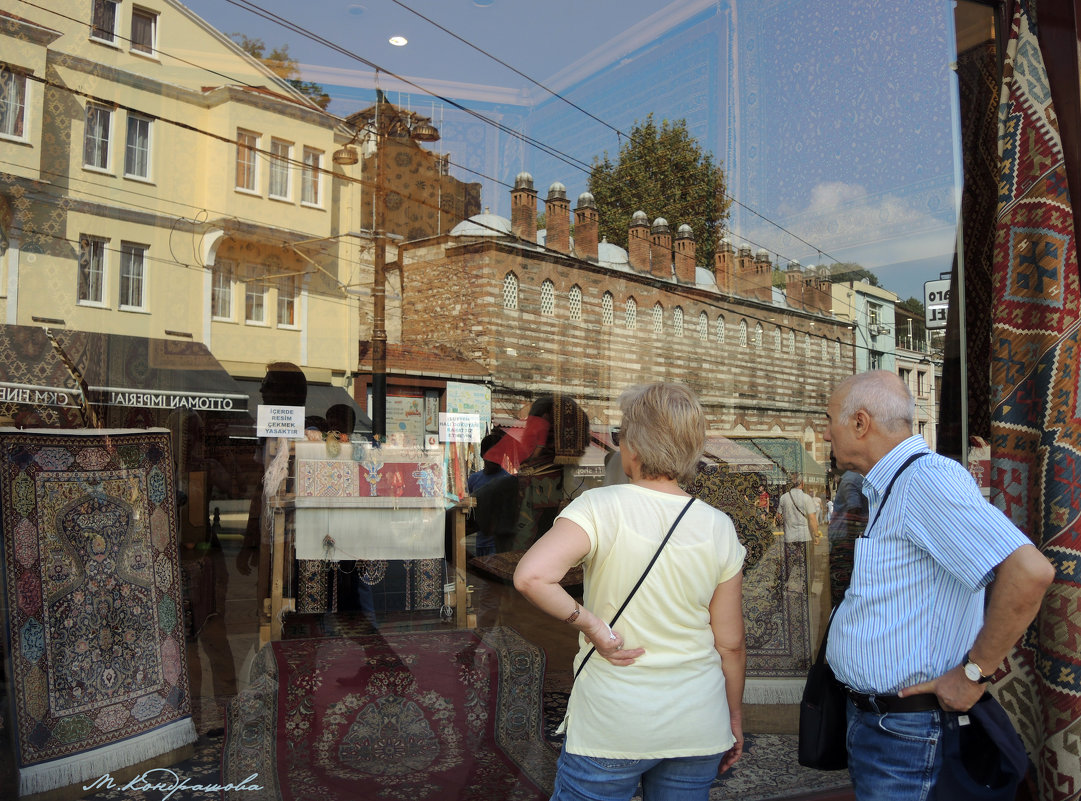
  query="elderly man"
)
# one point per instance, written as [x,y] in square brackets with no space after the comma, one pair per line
[912,638]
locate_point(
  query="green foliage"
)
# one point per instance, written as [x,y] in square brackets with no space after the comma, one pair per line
[849,271]
[914,306]
[665,173]
[284,66]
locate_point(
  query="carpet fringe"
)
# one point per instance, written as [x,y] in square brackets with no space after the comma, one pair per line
[92,765]
[773,691]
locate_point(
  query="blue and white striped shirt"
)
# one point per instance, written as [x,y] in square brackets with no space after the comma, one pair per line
[916,599]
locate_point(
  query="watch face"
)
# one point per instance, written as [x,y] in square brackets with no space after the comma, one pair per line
[972,671]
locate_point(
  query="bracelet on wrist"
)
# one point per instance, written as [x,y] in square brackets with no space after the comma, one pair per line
[573,615]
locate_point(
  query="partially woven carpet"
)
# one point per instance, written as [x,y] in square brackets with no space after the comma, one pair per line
[436,715]
[92,594]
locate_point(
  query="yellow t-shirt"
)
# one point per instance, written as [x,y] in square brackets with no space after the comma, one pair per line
[671,702]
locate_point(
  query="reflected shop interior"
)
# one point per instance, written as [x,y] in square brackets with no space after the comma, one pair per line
[317,316]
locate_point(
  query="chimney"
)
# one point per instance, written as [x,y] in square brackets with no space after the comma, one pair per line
[638,242]
[557,212]
[724,266]
[586,225]
[660,249]
[744,272]
[685,264]
[794,286]
[763,276]
[523,213]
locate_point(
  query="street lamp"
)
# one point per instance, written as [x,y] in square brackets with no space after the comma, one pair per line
[385,121]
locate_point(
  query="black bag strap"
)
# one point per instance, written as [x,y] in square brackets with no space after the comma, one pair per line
[825,637]
[886,494]
[640,580]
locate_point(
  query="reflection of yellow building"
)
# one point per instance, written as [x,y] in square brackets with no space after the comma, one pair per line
[158,182]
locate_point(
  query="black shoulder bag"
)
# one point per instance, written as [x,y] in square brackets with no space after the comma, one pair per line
[823,720]
[640,580]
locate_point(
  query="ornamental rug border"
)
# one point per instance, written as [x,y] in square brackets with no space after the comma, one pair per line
[92,603]
[404,717]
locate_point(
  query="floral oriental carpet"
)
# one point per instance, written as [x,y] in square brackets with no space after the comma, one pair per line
[91,596]
[423,715]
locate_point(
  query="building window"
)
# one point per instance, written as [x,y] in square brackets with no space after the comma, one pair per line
[103,26]
[720,330]
[287,300]
[12,103]
[96,137]
[743,333]
[607,312]
[132,276]
[311,176]
[221,290]
[510,291]
[658,318]
[791,341]
[92,269]
[246,146]
[548,298]
[922,427]
[703,327]
[630,314]
[777,339]
[837,351]
[144,30]
[807,346]
[757,336]
[921,382]
[574,303]
[254,297]
[678,321]
[876,360]
[906,376]
[874,315]
[280,155]
[825,351]
[137,149]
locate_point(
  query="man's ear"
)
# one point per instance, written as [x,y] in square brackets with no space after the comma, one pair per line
[862,422]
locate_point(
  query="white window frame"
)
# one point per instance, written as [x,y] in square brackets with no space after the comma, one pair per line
[311,178]
[677,321]
[630,314]
[135,119]
[133,276]
[278,183]
[743,333]
[777,339]
[99,32]
[720,329]
[139,48]
[574,303]
[222,290]
[92,249]
[703,327]
[247,162]
[510,291]
[95,143]
[758,336]
[288,290]
[14,101]
[548,298]
[608,316]
[255,296]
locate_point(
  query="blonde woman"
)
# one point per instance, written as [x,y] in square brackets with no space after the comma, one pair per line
[660,702]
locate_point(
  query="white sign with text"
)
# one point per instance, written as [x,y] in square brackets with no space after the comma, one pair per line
[459,427]
[279,421]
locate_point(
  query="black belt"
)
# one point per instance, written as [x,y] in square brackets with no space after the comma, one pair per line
[881,704]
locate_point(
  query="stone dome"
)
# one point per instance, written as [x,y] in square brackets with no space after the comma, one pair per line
[483,225]
[639,218]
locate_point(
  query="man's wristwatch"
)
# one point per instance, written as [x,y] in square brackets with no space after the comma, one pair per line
[974,672]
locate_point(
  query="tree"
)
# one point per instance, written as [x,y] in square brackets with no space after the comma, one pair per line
[914,306]
[665,173]
[284,66]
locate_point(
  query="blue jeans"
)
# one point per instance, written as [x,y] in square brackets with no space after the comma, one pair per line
[582,778]
[894,757]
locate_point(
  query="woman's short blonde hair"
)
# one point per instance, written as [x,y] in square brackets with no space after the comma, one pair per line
[664,424]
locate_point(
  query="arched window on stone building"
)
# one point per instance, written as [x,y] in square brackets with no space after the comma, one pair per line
[720,329]
[703,326]
[574,302]
[678,321]
[607,313]
[825,352]
[548,298]
[777,339]
[658,318]
[630,314]
[837,350]
[743,333]
[758,336]
[510,291]
[807,346]
[791,341]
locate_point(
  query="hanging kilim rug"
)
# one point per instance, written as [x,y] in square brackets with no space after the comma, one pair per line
[423,716]
[1036,415]
[96,649]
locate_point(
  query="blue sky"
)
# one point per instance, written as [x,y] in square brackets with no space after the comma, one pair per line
[834,121]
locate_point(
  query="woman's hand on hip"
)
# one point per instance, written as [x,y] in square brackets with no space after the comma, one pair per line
[609,644]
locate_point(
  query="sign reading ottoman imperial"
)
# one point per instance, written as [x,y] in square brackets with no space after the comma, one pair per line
[93,610]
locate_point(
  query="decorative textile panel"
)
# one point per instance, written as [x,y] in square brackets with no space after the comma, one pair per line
[411,717]
[92,594]
[1036,420]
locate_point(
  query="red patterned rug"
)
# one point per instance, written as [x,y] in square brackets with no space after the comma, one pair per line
[423,715]
[96,650]
[1036,414]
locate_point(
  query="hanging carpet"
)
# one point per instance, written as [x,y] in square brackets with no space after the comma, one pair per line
[96,650]
[413,717]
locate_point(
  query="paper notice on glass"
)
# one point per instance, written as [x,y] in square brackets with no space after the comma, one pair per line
[279,421]
[459,427]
